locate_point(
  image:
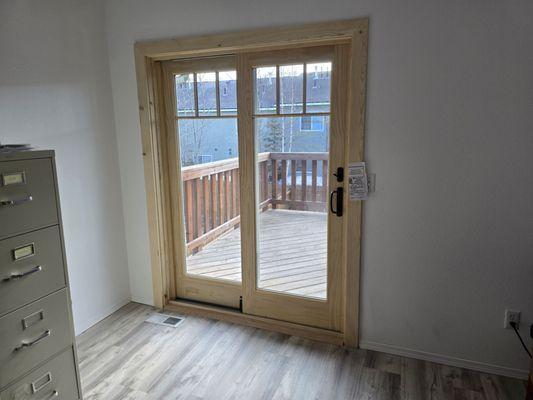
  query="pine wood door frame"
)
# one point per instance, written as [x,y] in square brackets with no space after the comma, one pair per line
[148,57]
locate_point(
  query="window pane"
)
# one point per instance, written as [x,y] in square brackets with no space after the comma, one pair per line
[228,92]
[312,123]
[291,205]
[318,87]
[211,199]
[185,95]
[207,139]
[265,90]
[288,134]
[291,88]
[207,104]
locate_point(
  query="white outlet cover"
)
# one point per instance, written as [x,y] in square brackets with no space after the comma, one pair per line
[511,316]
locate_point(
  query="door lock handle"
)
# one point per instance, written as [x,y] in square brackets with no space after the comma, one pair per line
[340,198]
[339,174]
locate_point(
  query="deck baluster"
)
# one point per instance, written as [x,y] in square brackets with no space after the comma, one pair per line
[221,201]
[304,180]
[264,181]
[207,204]
[283,180]
[313,180]
[274,183]
[324,181]
[214,200]
[227,195]
[234,192]
[189,224]
[198,206]
[293,180]
[237,185]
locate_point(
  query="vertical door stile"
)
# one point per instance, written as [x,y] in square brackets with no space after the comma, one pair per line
[247,175]
[174,174]
[336,260]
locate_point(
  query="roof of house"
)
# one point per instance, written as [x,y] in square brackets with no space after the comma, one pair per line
[291,93]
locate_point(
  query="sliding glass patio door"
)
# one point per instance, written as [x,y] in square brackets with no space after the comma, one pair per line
[204,159]
[294,116]
[255,159]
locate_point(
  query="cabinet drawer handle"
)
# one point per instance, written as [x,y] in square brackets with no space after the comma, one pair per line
[44,335]
[12,277]
[16,202]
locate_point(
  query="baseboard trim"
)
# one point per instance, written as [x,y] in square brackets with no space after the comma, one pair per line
[95,318]
[446,360]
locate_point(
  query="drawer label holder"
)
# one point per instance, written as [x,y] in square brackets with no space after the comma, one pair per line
[25,251]
[13,178]
[41,382]
[33,319]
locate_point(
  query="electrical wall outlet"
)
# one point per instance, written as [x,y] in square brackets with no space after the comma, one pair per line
[511,316]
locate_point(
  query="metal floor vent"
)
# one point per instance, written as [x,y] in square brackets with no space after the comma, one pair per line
[166,320]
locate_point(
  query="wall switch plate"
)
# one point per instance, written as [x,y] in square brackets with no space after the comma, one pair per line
[511,316]
[371,183]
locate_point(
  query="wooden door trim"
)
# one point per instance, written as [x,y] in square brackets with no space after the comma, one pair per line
[283,37]
[354,153]
[148,57]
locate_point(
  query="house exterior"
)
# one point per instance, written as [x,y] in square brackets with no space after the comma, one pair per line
[212,139]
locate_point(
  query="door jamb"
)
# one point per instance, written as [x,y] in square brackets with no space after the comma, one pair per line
[148,57]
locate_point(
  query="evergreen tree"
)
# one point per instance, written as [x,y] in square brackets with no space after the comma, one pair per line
[272,135]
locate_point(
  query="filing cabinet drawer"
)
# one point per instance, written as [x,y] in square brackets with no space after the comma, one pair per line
[27,196]
[31,266]
[54,380]
[32,334]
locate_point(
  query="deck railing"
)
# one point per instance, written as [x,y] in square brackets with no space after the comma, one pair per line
[285,180]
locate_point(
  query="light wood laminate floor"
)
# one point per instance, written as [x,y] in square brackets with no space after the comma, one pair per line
[292,253]
[123,357]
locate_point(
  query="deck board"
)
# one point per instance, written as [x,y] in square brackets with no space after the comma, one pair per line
[292,253]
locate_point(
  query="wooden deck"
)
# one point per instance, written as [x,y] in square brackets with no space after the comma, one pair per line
[292,253]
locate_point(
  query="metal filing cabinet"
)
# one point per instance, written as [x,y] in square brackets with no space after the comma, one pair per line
[37,348]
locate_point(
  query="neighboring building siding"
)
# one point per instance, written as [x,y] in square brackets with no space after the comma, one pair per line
[205,140]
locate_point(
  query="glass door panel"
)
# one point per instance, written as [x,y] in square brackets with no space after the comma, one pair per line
[292,154]
[206,123]
[297,117]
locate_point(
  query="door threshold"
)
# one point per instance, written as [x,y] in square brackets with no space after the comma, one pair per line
[236,317]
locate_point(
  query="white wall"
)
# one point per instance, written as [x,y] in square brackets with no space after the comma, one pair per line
[55,93]
[448,237]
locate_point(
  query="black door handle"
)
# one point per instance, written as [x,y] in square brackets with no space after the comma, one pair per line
[340,194]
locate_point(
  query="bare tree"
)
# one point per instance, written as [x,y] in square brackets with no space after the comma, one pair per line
[192,133]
